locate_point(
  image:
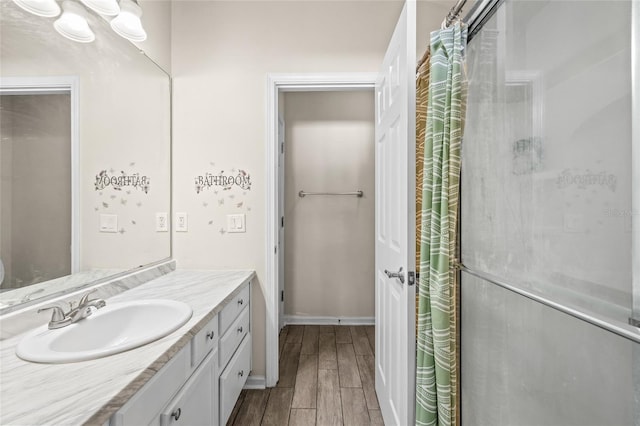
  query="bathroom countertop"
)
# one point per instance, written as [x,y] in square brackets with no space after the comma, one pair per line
[89,392]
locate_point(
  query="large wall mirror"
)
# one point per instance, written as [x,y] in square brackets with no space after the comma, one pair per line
[84,158]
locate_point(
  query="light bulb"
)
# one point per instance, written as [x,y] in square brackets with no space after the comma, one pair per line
[45,8]
[127,24]
[103,7]
[73,24]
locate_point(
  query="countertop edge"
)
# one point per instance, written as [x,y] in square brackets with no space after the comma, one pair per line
[118,401]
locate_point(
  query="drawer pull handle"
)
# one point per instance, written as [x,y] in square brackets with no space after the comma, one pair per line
[241,373]
[241,301]
[240,329]
[176,414]
[210,335]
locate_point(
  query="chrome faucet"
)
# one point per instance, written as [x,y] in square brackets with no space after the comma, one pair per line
[61,319]
[84,307]
[58,318]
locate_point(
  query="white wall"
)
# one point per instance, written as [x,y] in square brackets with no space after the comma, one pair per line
[220,74]
[329,240]
[156,20]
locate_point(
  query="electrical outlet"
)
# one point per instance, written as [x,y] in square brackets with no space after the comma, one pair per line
[181,222]
[162,222]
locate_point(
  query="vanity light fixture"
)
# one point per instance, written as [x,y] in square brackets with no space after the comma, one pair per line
[127,24]
[45,8]
[103,7]
[73,24]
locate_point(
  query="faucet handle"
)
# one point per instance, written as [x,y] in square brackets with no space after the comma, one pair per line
[85,298]
[57,315]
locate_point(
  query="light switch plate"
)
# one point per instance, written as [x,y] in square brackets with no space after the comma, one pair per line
[108,222]
[236,223]
[181,222]
[162,222]
[574,222]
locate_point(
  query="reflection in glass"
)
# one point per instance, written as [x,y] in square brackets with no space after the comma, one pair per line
[546,208]
[546,156]
[35,195]
[44,8]
[73,24]
[122,125]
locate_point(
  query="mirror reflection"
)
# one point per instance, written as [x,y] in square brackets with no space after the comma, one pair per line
[84,157]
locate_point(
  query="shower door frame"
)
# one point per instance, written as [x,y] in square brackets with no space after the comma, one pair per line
[33,86]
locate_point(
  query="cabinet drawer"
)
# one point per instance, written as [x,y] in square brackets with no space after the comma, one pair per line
[233,378]
[204,342]
[232,338]
[193,405]
[145,405]
[233,308]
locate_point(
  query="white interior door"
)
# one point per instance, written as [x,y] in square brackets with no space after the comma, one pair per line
[395,225]
[281,225]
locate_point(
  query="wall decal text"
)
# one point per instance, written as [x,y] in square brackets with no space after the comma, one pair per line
[117,182]
[582,179]
[226,181]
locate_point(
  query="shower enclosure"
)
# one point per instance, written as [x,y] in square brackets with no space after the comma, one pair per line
[550,175]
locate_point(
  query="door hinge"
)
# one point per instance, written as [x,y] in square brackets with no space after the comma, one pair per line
[282,295]
[412,278]
[282,148]
[275,249]
[282,221]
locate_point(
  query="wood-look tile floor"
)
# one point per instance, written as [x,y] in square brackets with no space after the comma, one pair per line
[326,378]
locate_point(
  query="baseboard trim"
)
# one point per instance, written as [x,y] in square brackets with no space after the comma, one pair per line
[302,320]
[255,382]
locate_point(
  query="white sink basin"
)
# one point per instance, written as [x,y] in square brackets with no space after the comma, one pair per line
[115,328]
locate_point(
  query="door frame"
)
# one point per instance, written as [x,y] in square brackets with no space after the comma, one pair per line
[277,83]
[53,85]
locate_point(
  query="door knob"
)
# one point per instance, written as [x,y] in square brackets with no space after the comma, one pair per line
[176,414]
[399,274]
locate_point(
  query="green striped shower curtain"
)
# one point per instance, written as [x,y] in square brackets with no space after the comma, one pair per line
[436,378]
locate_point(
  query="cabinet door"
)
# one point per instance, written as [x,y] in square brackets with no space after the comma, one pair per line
[234,335]
[234,308]
[145,406]
[193,404]
[233,378]
[205,341]
[215,387]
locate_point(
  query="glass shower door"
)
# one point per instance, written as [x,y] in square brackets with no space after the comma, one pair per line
[547,212]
